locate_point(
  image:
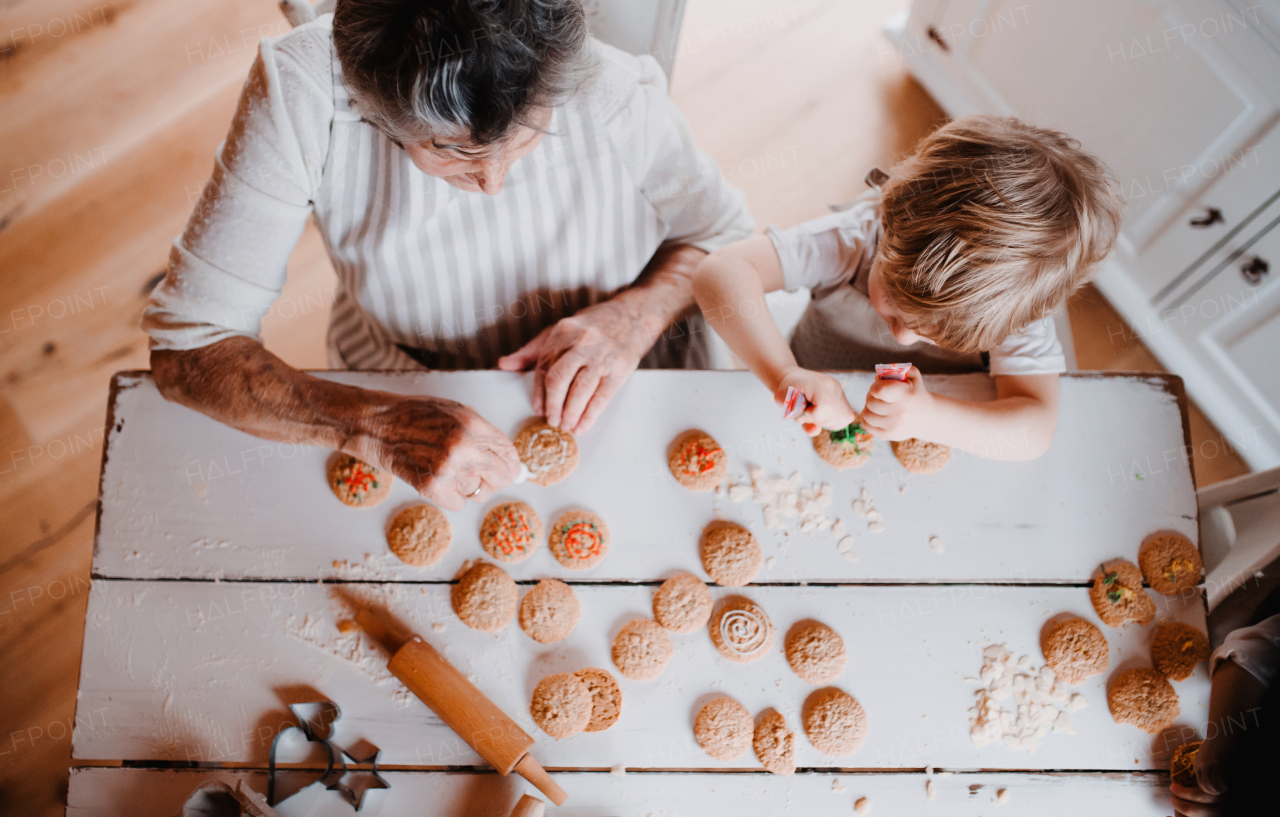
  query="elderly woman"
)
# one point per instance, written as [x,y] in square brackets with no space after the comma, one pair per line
[493,187]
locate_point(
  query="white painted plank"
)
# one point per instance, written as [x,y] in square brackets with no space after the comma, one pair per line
[199,670]
[185,496]
[155,793]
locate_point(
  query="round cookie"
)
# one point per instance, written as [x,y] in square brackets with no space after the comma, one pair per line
[834,721]
[1176,648]
[815,652]
[642,650]
[485,598]
[697,461]
[1118,596]
[1182,768]
[510,532]
[921,457]
[549,453]
[561,705]
[606,698]
[848,447]
[1170,562]
[357,483]
[723,729]
[740,630]
[579,540]
[549,611]
[1144,698]
[1075,649]
[682,604]
[730,554]
[420,535]
[775,744]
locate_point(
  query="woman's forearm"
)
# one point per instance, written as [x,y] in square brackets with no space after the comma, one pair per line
[442,448]
[238,382]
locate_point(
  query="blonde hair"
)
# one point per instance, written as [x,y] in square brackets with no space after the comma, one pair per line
[990,225]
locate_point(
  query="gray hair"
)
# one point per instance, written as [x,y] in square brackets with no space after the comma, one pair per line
[421,68]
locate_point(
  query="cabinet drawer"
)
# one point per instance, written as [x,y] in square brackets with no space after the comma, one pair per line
[1230,322]
[1221,219]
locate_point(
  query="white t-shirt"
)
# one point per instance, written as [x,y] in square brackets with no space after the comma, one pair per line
[832,256]
[1256,649]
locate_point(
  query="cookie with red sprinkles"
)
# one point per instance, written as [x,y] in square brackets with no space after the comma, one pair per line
[358,483]
[579,539]
[697,461]
[510,532]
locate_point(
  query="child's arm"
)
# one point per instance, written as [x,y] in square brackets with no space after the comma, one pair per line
[1017,425]
[1235,693]
[730,285]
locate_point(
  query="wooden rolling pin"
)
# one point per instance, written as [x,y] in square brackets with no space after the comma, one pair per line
[529,806]
[462,707]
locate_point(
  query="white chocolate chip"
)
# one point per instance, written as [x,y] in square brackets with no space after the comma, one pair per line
[929,790]
[875,527]
[935,544]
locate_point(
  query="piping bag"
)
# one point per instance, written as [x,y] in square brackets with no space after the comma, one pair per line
[463,708]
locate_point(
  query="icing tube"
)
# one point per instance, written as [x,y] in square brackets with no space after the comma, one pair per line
[892,371]
[794,404]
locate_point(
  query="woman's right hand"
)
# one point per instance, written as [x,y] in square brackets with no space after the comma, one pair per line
[444,449]
[828,406]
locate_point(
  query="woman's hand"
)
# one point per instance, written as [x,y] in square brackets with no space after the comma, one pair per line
[445,450]
[828,407]
[580,362]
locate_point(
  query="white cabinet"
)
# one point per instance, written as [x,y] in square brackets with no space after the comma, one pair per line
[1181,98]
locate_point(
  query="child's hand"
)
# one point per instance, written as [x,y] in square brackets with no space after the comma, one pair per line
[898,409]
[1211,763]
[828,407]
[1195,802]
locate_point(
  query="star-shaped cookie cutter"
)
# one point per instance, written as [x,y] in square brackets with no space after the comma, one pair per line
[364,781]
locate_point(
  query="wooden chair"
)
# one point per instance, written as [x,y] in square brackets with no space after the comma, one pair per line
[1239,531]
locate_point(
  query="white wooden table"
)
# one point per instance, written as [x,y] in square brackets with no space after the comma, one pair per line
[223,565]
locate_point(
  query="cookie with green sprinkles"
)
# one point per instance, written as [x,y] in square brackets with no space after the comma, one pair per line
[1117,594]
[847,447]
[358,483]
[579,539]
[510,532]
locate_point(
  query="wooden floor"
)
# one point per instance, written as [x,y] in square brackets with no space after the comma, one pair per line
[109,118]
